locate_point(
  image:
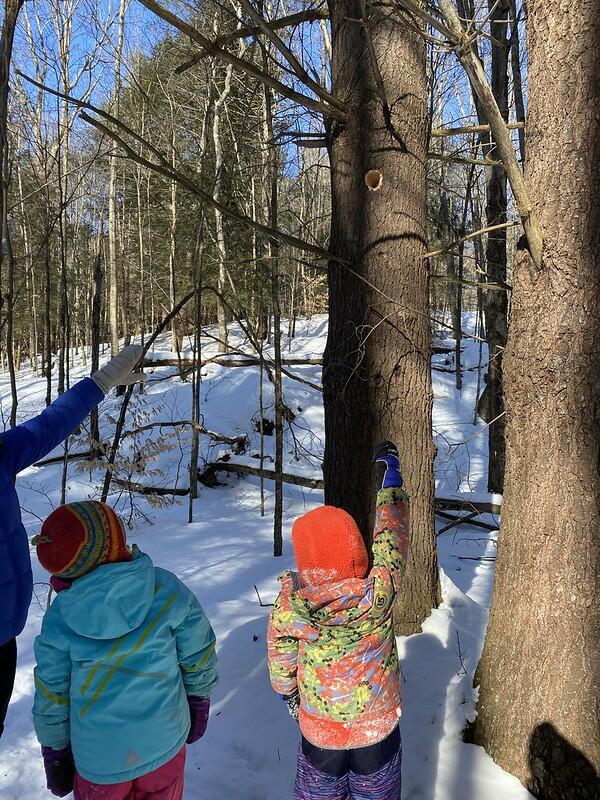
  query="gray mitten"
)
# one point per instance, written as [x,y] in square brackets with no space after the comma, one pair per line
[119,370]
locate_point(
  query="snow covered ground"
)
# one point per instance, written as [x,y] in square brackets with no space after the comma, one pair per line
[249,749]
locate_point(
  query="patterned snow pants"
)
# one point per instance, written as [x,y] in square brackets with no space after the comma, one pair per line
[350,774]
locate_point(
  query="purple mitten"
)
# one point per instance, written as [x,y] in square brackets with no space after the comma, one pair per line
[60,770]
[199,708]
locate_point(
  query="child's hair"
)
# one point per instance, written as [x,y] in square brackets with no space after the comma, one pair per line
[78,537]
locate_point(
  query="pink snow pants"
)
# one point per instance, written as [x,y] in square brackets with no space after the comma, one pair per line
[164,783]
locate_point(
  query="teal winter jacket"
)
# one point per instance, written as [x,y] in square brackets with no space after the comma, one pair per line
[118,653]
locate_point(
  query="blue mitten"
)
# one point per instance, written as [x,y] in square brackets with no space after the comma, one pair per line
[387,466]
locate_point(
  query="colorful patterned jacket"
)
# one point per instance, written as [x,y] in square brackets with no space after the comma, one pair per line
[335,642]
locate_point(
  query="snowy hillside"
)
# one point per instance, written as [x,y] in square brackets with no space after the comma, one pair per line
[249,749]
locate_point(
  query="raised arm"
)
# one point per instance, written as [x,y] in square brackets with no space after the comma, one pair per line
[32,440]
[391,532]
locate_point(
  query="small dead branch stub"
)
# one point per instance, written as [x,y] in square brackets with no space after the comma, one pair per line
[260,602]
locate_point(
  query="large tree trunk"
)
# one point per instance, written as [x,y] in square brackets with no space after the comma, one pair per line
[376,378]
[539,673]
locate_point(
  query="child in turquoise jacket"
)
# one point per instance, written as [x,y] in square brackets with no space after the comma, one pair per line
[125,663]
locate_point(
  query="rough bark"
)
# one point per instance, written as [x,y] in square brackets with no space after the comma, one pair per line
[539,673]
[377,381]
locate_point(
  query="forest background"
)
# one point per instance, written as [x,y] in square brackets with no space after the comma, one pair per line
[394,165]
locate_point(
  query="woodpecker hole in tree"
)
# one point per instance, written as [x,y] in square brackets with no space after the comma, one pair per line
[374,179]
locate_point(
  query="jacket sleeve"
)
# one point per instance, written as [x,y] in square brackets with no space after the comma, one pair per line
[196,644]
[32,440]
[282,647]
[52,676]
[391,533]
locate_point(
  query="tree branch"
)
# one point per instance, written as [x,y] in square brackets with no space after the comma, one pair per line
[466,238]
[291,59]
[310,15]
[462,44]
[211,48]
[441,132]
[165,168]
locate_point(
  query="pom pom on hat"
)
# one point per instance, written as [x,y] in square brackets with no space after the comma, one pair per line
[329,546]
[78,537]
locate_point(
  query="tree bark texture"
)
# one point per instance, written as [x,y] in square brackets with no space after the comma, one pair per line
[539,715]
[377,380]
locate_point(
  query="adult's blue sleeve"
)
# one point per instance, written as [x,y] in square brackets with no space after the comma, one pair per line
[32,440]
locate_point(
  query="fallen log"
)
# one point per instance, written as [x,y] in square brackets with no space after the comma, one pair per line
[207,477]
[60,459]
[459,520]
[441,503]
[159,490]
[468,519]
[239,443]
[226,361]
[185,366]
[456,504]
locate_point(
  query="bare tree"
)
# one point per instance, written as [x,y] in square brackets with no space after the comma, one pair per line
[11,14]
[113,307]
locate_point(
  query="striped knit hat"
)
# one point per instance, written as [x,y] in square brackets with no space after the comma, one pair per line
[78,537]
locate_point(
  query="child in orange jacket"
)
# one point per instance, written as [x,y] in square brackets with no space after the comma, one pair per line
[332,649]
